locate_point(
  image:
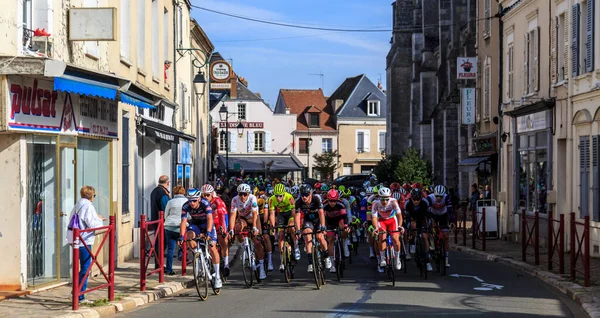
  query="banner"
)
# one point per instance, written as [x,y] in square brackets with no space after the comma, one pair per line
[467,103]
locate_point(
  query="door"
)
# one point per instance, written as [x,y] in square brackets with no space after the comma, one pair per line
[68,198]
[347,169]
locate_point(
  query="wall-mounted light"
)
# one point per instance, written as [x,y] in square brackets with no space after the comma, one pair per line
[505,136]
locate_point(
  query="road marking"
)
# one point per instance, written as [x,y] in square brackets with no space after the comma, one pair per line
[484,286]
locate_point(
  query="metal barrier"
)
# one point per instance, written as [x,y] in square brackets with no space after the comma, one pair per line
[460,226]
[576,242]
[478,227]
[110,277]
[529,234]
[556,237]
[154,243]
[183,257]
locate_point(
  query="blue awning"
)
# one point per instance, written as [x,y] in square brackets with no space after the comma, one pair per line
[471,164]
[134,99]
[85,86]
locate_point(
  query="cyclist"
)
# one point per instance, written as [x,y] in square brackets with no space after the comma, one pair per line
[244,213]
[387,217]
[335,217]
[263,210]
[282,205]
[365,208]
[198,213]
[440,211]
[295,192]
[221,221]
[416,209]
[311,211]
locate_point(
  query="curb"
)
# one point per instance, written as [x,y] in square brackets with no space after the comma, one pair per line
[133,301]
[583,296]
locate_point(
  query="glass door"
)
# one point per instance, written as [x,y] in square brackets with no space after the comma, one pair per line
[68,198]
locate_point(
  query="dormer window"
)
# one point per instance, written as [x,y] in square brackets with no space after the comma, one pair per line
[373,108]
[314,120]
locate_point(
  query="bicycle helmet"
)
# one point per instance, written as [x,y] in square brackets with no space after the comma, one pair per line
[396,195]
[406,187]
[384,192]
[279,189]
[270,192]
[417,185]
[333,195]
[416,194]
[376,189]
[295,190]
[324,187]
[243,188]
[341,188]
[207,188]
[439,190]
[395,186]
[318,186]
[193,193]
[402,191]
[347,193]
[370,190]
[305,189]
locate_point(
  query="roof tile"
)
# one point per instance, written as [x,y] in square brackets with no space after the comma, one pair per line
[299,99]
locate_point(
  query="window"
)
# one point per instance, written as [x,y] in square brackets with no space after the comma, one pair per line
[303,145]
[165,38]
[222,141]
[487,24]
[347,169]
[561,47]
[141,49]
[327,145]
[92,48]
[125,29]
[155,64]
[125,165]
[179,27]
[363,141]
[259,141]
[373,108]
[183,105]
[314,120]
[241,111]
[158,112]
[583,5]
[487,89]
[531,69]
[381,141]
[586,34]
[511,70]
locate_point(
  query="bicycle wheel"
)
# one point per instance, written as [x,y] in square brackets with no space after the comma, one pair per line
[254,263]
[316,260]
[403,255]
[338,260]
[221,270]
[423,260]
[443,257]
[247,267]
[285,258]
[216,291]
[200,276]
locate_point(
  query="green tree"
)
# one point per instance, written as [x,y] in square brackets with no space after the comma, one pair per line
[384,170]
[413,168]
[325,163]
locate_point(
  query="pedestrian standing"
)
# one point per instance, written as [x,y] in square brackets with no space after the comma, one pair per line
[172,224]
[474,196]
[88,218]
[159,197]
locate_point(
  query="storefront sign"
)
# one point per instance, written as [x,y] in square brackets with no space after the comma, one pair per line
[220,71]
[467,102]
[188,172]
[531,122]
[466,68]
[179,172]
[185,152]
[487,145]
[36,106]
[250,125]
[220,85]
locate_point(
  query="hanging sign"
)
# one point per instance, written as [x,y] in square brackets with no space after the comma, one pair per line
[220,71]
[467,103]
[466,67]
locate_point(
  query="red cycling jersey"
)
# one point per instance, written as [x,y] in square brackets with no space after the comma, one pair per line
[219,213]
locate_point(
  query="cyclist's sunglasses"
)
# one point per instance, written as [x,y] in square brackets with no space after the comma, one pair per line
[384,199]
[243,194]
[194,200]
[439,196]
[279,195]
[207,195]
[305,195]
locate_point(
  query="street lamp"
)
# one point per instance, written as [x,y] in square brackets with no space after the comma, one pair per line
[224,115]
[308,142]
[199,78]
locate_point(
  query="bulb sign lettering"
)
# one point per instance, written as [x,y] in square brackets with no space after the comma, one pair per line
[467,101]
[220,71]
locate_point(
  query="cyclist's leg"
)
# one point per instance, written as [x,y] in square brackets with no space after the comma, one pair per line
[258,247]
[267,241]
[307,229]
[240,225]
[214,253]
[330,224]
[444,224]
[292,229]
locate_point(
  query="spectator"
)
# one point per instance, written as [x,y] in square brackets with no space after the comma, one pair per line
[487,193]
[474,196]
[88,218]
[172,223]
[159,197]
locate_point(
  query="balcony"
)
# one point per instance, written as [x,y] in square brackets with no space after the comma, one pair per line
[37,44]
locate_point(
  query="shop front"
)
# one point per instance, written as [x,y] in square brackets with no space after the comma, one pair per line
[67,139]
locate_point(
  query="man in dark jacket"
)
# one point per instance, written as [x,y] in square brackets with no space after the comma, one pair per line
[159,197]
[474,196]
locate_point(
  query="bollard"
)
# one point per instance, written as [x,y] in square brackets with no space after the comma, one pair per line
[561,244]
[161,244]
[572,253]
[524,236]
[464,229]
[75,301]
[550,240]
[586,253]
[111,259]
[484,232]
[143,252]
[474,225]
[536,241]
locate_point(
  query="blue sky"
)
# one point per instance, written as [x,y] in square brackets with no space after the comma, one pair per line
[286,63]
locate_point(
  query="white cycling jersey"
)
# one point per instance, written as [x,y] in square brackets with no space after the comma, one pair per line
[244,209]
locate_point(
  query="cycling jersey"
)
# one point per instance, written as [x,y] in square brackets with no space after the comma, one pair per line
[364,209]
[346,203]
[417,213]
[197,216]
[441,206]
[286,205]
[335,215]
[387,211]
[244,209]
[220,212]
[310,211]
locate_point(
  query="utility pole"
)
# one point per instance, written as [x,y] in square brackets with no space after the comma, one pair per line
[322,76]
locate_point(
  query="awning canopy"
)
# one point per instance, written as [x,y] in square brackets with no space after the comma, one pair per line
[139,96]
[86,85]
[259,163]
[471,164]
[160,131]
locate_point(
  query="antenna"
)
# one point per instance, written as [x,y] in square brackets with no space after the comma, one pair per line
[322,76]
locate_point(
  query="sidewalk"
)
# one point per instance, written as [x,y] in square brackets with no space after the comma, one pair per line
[56,302]
[509,253]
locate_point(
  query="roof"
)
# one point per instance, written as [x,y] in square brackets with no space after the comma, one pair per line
[297,100]
[356,92]
[244,93]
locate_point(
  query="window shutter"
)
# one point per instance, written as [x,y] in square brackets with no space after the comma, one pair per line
[526,65]
[267,141]
[553,55]
[536,59]
[486,89]
[125,167]
[360,142]
[596,178]
[367,142]
[575,40]
[511,65]
[250,143]
[232,141]
[584,170]
[566,44]
[589,50]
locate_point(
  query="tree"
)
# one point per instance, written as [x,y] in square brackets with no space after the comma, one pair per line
[325,163]
[384,170]
[413,168]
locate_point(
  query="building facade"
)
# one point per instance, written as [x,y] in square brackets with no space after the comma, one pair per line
[360,112]
[314,129]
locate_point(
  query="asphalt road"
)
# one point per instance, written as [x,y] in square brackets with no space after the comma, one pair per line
[366,293]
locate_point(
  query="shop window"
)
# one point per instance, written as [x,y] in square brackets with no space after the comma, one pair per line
[158,112]
[533,174]
[93,169]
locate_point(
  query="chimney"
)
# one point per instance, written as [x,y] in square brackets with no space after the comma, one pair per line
[287,110]
[336,104]
[379,85]
[233,90]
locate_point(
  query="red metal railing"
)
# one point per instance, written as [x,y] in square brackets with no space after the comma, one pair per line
[110,276]
[580,246]
[479,229]
[460,226]
[556,242]
[183,258]
[158,241]
[530,235]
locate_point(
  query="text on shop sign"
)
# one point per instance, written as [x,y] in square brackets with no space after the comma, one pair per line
[32,100]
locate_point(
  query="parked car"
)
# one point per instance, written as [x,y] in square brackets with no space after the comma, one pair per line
[354,180]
